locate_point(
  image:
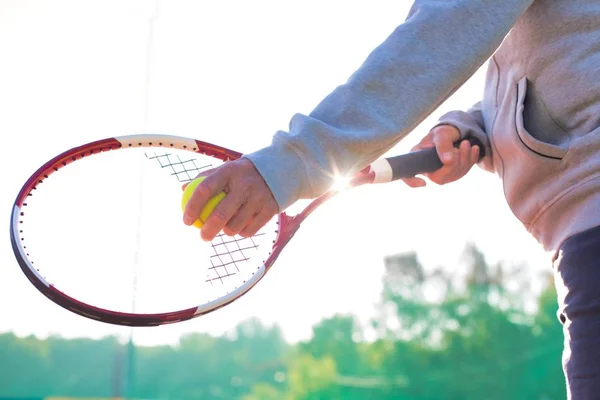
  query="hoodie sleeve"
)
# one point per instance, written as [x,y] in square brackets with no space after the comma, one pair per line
[424,61]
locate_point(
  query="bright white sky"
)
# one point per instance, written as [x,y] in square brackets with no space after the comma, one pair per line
[230,72]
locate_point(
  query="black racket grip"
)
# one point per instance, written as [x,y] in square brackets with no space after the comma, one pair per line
[423,161]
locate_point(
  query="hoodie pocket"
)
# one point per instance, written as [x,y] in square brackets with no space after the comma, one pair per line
[534,145]
[526,164]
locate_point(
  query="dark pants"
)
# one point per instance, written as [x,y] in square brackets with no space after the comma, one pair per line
[577,277]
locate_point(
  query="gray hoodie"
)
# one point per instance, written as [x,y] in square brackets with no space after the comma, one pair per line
[539,117]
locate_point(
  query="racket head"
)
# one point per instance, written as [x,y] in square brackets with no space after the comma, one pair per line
[51,225]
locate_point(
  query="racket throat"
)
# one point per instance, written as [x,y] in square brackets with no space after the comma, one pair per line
[288,226]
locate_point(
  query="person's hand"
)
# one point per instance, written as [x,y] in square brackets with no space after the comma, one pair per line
[248,206]
[457,161]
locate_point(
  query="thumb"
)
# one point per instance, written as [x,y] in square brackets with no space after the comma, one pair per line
[415,182]
[425,143]
[444,137]
[209,187]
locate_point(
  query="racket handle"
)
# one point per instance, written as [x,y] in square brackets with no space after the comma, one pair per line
[423,161]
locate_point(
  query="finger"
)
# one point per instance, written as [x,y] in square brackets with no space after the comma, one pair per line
[464,164]
[425,143]
[457,168]
[240,219]
[208,188]
[475,154]
[444,137]
[259,220]
[221,215]
[414,182]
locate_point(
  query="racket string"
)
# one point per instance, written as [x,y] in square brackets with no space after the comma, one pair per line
[225,256]
[230,253]
[184,170]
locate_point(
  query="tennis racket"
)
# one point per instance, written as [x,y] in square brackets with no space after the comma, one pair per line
[98,230]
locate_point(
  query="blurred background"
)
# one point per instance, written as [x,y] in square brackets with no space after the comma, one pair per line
[385,293]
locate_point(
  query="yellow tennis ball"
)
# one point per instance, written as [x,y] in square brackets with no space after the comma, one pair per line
[210,205]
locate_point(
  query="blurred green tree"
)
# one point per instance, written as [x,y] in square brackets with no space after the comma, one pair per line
[475,332]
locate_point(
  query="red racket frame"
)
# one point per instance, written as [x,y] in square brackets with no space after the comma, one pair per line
[288,225]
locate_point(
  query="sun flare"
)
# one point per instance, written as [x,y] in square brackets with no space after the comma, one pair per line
[341,183]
